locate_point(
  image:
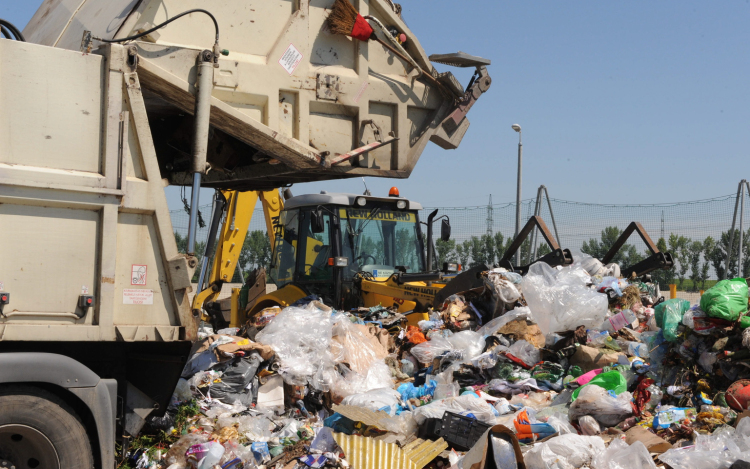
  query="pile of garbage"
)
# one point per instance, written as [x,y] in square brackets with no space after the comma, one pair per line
[564,367]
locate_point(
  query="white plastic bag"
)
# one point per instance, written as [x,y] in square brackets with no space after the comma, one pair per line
[384,399]
[620,455]
[560,423]
[351,382]
[502,288]
[469,402]
[564,452]
[559,299]
[470,343]
[525,352]
[589,425]
[595,401]
[301,339]
[427,351]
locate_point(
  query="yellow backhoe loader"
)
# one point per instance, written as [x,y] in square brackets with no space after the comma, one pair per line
[351,250]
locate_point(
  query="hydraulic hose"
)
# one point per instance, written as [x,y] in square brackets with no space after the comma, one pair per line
[158,26]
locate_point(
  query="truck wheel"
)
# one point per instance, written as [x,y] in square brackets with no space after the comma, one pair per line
[39,430]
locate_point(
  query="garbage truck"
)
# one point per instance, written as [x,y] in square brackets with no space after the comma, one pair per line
[106,103]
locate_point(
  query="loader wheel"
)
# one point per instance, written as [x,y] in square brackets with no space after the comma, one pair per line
[39,430]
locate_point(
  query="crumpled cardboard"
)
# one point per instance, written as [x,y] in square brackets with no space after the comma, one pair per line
[522,330]
[590,358]
[226,351]
[653,443]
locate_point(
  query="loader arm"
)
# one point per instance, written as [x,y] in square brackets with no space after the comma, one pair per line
[231,238]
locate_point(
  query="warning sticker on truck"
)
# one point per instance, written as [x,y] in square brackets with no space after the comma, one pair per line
[291,58]
[138,274]
[137,296]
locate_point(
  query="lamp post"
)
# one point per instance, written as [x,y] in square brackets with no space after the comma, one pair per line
[517,128]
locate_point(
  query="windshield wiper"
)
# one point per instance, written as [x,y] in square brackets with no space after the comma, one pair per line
[352,234]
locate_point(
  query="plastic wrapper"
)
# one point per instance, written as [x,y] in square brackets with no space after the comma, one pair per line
[469,342]
[384,399]
[360,349]
[256,428]
[561,424]
[425,352]
[598,403]
[503,289]
[620,455]
[469,402]
[589,425]
[521,312]
[727,300]
[564,452]
[669,316]
[707,360]
[520,386]
[559,299]
[535,400]
[716,451]
[525,352]
[350,382]
[301,339]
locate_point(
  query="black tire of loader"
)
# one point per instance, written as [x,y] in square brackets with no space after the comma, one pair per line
[41,410]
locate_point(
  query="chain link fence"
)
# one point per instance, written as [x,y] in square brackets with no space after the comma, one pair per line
[688,224]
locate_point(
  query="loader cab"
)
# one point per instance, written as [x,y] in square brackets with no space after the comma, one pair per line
[322,241]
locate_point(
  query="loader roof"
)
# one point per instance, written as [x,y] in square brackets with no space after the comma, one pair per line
[325,198]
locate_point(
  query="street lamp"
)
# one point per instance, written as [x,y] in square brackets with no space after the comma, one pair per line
[517,128]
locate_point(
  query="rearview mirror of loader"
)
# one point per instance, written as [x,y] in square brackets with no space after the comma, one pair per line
[445,230]
[316,221]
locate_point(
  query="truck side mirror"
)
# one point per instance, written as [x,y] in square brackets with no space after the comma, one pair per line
[445,230]
[316,221]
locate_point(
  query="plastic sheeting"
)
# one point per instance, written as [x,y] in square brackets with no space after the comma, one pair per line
[598,403]
[559,299]
[620,455]
[564,452]
[301,339]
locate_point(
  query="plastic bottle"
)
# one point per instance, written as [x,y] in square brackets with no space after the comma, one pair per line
[633,349]
[427,325]
[619,320]
[656,395]
[213,457]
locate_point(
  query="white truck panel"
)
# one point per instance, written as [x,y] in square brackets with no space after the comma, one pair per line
[328,87]
[82,204]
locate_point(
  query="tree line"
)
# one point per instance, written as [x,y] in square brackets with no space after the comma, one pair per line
[693,258]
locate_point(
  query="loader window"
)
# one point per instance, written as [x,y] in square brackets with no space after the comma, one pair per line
[380,242]
[313,261]
[285,248]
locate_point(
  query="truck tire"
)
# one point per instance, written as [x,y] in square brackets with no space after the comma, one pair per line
[39,430]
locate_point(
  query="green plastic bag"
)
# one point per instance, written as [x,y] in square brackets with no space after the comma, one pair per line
[611,381]
[668,316]
[726,300]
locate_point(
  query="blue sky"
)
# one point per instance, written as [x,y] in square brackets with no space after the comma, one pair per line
[620,102]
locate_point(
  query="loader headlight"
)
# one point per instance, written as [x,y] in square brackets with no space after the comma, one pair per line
[361,201]
[401,204]
[450,268]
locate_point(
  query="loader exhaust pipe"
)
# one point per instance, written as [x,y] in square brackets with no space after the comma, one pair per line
[202,114]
